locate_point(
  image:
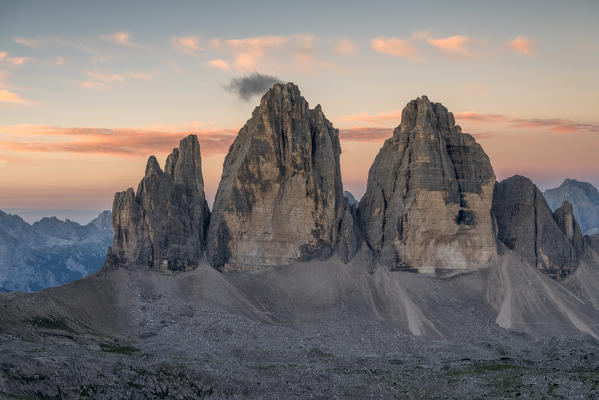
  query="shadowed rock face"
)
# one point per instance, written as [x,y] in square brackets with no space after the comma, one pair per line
[280,198]
[584,198]
[164,224]
[551,242]
[593,241]
[428,199]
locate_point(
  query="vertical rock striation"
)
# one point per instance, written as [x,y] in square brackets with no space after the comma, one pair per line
[428,199]
[280,198]
[551,242]
[164,224]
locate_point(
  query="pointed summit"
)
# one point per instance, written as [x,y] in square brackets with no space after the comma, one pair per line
[152,167]
[421,114]
[164,224]
[280,198]
[428,200]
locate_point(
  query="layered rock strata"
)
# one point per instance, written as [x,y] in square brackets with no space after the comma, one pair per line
[163,225]
[428,200]
[280,198]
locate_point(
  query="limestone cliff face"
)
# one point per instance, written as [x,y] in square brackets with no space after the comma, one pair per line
[551,242]
[280,198]
[428,199]
[164,224]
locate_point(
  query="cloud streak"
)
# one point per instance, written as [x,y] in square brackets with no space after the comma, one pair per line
[118,142]
[248,86]
[559,125]
[457,45]
[5,58]
[245,52]
[7,96]
[121,38]
[365,134]
[395,47]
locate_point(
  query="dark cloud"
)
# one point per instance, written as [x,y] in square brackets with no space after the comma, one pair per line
[251,85]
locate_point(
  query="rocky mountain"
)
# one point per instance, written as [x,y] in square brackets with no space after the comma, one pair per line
[340,317]
[549,241]
[280,198]
[163,225]
[50,252]
[584,198]
[428,198]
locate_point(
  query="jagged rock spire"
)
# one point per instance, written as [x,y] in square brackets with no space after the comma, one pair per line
[280,198]
[164,224]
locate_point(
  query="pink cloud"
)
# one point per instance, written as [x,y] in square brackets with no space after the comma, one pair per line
[394,47]
[14,61]
[122,38]
[11,97]
[246,52]
[559,125]
[522,45]
[187,44]
[121,142]
[219,64]
[345,47]
[393,116]
[457,45]
[365,134]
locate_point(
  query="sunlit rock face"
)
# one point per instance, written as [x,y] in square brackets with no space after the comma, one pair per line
[280,198]
[164,224]
[551,242]
[428,200]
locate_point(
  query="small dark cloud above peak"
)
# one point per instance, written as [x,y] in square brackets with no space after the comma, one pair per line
[254,84]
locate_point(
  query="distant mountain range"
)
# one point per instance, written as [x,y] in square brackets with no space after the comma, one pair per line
[585,202]
[50,252]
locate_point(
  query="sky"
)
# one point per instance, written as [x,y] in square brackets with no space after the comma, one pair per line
[88,90]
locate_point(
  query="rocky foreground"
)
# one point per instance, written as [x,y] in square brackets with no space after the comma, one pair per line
[439,283]
[315,330]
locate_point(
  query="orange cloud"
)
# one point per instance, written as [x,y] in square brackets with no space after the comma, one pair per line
[457,44]
[394,47]
[15,61]
[246,52]
[220,64]
[122,38]
[11,97]
[365,134]
[345,47]
[383,117]
[522,45]
[555,124]
[187,44]
[122,142]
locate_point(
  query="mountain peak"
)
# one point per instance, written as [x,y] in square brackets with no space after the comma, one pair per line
[422,114]
[152,167]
